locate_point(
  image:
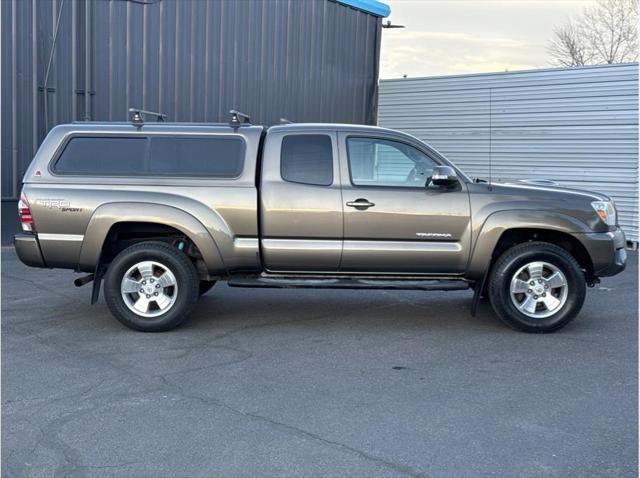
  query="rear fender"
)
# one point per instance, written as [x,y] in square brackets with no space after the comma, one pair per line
[110,214]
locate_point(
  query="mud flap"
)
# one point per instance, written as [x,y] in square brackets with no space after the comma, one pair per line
[97,282]
[477,292]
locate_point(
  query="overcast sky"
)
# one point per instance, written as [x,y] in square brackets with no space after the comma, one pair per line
[444,37]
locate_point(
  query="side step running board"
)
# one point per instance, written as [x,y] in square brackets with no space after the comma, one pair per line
[283,282]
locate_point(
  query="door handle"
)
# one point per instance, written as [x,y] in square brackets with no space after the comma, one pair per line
[360,204]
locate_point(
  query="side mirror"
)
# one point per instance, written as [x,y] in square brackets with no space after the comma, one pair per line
[444,176]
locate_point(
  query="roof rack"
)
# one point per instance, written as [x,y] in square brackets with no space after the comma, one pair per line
[137,114]
[238,119]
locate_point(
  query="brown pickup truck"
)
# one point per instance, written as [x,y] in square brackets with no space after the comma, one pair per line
[159,212]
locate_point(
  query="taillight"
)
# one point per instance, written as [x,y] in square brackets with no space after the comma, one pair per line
[26,219]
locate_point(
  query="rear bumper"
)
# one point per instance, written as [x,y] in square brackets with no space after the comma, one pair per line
[607,251]
[28,250]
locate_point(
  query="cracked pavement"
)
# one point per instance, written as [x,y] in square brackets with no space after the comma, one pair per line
[300,382]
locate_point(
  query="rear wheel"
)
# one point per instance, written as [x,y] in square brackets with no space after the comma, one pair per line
[537,287]
[151,287]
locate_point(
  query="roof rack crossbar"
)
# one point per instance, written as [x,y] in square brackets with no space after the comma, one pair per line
[137,114]
[238,118]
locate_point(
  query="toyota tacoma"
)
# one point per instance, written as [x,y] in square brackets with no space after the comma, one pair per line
[156,213]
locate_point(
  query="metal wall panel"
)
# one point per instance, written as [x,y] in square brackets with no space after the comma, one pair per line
[312,60]
[576,126]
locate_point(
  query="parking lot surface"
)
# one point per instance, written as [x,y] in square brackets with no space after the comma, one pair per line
[266,382]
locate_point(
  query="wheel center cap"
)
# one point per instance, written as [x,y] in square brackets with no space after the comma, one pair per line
[539,289]
[149,289]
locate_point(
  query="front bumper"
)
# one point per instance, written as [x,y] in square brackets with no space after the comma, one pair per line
[28,250]
[607,251]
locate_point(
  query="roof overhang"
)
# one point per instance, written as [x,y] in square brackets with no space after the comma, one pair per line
[374,7]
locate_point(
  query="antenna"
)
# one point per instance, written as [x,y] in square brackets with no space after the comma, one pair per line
[137,114]
[490,136]
[285,121]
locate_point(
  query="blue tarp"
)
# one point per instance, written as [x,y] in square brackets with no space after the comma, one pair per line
[373,7]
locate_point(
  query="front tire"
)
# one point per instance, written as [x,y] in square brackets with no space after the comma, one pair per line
[537,287]
[151,287]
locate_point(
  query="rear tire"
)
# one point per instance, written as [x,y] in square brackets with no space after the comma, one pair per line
[151,287]
[537,287]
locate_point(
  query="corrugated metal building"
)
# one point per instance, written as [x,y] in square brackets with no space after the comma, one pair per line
[67,60]
[575,126]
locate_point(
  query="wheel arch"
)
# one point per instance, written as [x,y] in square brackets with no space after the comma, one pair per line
[111,219]
[569,243]
[503,230]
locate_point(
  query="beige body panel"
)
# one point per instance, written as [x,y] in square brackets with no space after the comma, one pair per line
[109,214]
[408,230]
[301,225]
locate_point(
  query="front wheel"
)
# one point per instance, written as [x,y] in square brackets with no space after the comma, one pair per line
[151,287]
[537,287]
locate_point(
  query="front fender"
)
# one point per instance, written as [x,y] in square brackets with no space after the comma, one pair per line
[107,215]
[488,234]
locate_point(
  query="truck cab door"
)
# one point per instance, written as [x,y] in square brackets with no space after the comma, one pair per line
[393,222]
[301,202]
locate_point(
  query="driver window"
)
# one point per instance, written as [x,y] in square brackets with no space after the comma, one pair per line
[381,162]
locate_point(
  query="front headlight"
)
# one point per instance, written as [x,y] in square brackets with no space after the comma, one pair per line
[606,210]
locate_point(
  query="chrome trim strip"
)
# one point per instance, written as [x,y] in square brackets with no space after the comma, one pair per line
[402,246]
[245,243]
[385,246]
[61,237]
[301,244]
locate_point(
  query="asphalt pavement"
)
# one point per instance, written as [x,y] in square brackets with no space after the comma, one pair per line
[262,383]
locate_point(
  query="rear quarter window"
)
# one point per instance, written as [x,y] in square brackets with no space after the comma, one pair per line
[208,157]
[307,159]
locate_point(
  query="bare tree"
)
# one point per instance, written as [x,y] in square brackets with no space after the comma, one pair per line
[612,30]
[569,46]
[605,33]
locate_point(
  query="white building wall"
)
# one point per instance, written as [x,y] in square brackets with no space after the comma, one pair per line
[575,126]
